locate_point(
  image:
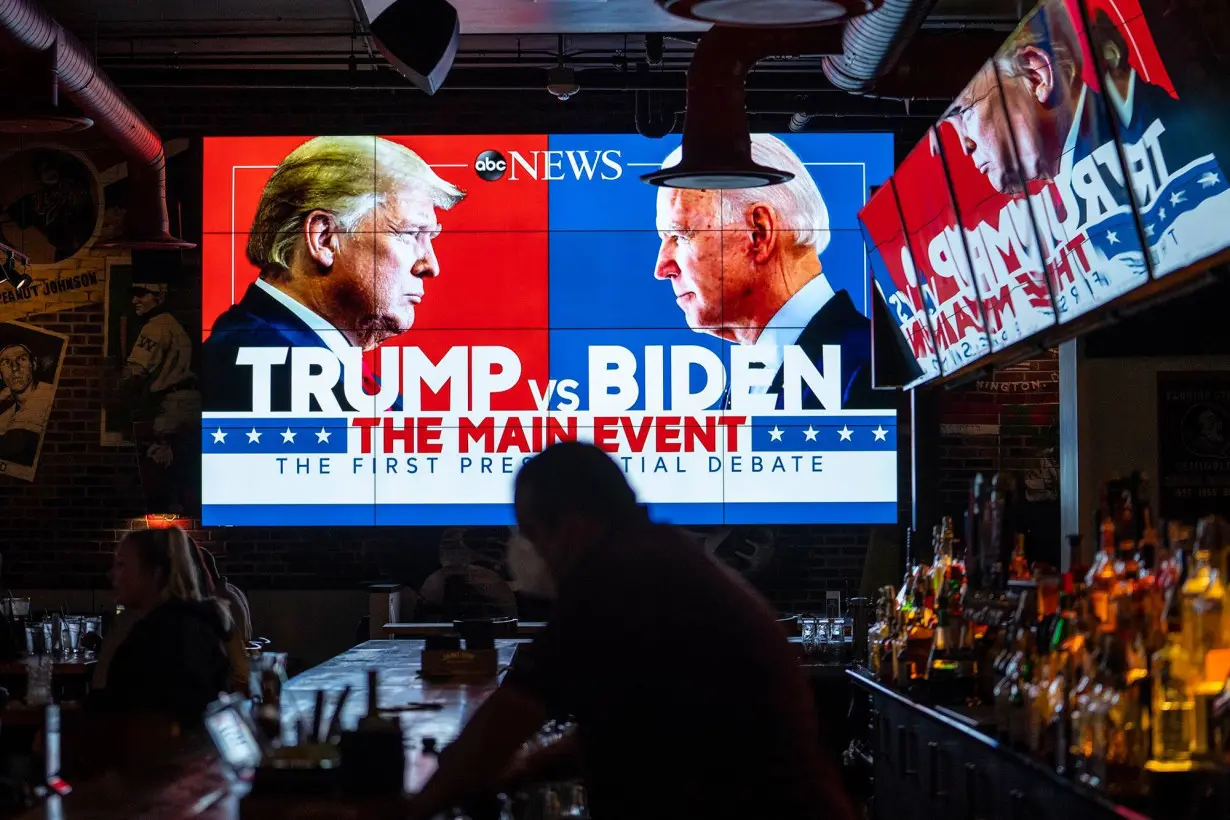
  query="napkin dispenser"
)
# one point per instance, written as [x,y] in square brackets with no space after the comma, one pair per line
[448,657]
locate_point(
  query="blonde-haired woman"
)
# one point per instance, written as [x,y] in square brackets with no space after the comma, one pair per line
[174,660]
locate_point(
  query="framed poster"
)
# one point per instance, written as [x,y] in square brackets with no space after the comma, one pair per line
[30,362]
[1193,434]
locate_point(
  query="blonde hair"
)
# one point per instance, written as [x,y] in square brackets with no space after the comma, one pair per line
[798,203]
[346,176]
[167,553]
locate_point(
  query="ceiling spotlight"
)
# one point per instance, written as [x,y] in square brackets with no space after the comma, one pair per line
[769,13]
[798,122]
[13,266]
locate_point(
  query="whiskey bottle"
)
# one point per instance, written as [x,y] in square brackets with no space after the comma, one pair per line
[1102,577]
[1203,597]
[1173,713]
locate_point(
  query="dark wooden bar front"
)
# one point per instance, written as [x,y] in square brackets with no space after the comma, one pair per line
[929,764]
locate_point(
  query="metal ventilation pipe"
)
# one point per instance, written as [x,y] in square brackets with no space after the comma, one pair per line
[872,43]
[24,24]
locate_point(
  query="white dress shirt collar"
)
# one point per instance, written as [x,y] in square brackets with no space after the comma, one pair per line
[1123,105]
[787,325]
[331,336]
[1069,143]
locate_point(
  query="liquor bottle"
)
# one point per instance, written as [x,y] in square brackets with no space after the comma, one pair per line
[1203,596]
[897,651]
[1080,708]
[1146,555]
[973,549]
[941,568]
[1127,741]
[1123,601]
[1102,577]
[939,661]
[1002,521]
[1065,644]
[1172,572]
[1037,694]
[1018,567]
[1002,693]
[879,632]
[1096,720]
[1173,713]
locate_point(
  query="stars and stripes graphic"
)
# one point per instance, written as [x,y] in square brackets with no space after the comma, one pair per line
[230,436]
[825,434]
[1184,193]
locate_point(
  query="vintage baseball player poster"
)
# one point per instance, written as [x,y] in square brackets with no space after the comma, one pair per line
[30,362]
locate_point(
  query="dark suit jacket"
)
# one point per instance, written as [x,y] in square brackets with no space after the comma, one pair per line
[839,323]
[258,320]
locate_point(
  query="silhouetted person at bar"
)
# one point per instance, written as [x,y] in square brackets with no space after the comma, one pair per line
[687,698]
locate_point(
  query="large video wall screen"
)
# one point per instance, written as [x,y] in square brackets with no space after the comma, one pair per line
[1071,170]
[394,324]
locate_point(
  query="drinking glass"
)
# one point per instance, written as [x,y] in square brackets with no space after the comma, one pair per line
[34,639]
[808,631]
[71,628]
[38,680]
[575,804]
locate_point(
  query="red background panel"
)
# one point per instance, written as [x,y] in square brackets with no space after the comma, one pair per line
[494,243]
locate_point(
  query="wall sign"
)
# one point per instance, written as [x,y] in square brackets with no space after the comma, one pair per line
[1193,421]
[51,212]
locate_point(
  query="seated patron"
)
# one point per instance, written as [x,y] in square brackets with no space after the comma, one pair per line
[228,593]
[214,585]
[173,662]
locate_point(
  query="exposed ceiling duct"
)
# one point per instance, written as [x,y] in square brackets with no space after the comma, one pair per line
[717,142]
[24,25]
[872,44]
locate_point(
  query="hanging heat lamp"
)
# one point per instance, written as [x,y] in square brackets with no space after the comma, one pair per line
[717,150]
[32,97]
[769,13]
[717,140]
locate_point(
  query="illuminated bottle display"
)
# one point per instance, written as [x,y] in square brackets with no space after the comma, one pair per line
[1112,676]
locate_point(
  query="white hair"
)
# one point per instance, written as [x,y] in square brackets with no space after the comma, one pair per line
[346,176]
[797,203]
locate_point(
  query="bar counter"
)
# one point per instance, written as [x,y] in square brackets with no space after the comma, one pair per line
[931,762]
[191,783]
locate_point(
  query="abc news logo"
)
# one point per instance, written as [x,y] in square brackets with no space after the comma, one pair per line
[552,166]
[490,165]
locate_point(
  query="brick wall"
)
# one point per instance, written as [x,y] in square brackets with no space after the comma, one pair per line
[1008,422]
[59,530]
